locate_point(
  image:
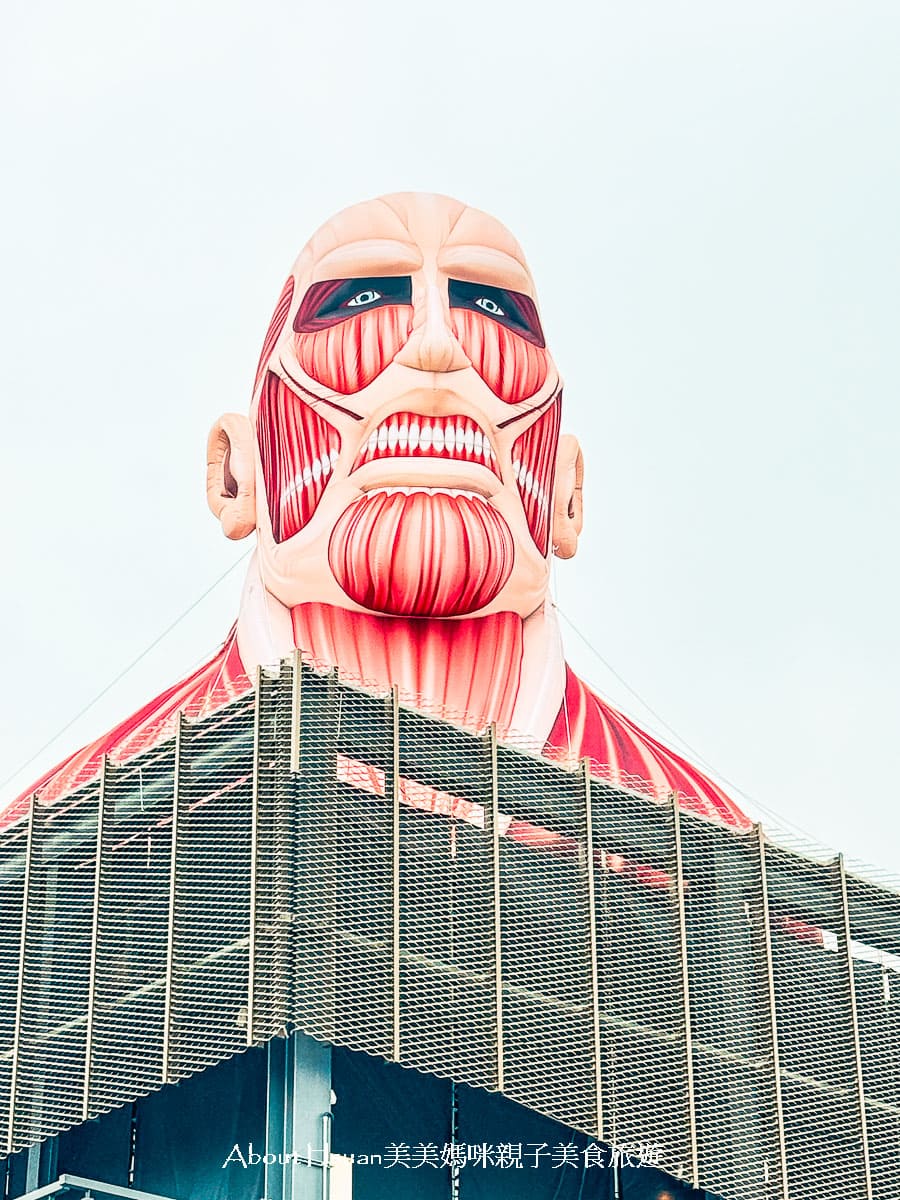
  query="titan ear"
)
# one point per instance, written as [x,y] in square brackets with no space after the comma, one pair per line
[567,504]
[231,475]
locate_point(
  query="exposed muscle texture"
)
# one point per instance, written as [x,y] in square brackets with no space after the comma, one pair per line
[275,327]
[533,463]
[346,357]
[629,757]
[298,451]
[422,657]
[512,367]
[403,468]
[410,552]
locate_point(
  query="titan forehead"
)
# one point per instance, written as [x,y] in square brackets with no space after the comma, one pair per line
[381,256]
[373,239]
[367,256]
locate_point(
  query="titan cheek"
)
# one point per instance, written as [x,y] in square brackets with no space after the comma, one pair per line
[512,367]
[534,462]
[298,450]
[421,554]
[346,357]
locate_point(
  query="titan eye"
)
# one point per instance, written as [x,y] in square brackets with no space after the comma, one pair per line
[369,296]
[490,306]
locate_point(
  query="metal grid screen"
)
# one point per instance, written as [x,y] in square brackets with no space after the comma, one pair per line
[321,858]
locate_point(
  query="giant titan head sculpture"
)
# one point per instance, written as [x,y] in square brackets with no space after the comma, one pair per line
[402,463]
[403,470]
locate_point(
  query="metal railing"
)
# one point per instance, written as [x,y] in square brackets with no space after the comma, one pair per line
[317,857]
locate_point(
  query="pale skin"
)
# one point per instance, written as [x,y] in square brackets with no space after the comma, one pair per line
[432,240]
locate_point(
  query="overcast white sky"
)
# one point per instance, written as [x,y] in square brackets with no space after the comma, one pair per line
[708,194]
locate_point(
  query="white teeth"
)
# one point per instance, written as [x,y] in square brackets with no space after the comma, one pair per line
[527,482]
[319,469]
[430,491]
[458,437]
[294,486]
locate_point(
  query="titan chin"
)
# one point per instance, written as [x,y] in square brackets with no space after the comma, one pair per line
[409,551]
[412,552]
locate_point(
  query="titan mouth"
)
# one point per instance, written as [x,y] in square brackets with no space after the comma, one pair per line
[414,436]
[414,490]
[299,451]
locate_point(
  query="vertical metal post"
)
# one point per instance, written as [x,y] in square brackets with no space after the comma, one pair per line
[773,1013]
[498,924]
[395,871]
[308,1118]
[685,989]
[327,1121]
[296,710]
[455,1168]
[607,924]
[20,987]
[95,926]
[254,859]
[592,937]
[173,885]
[277,1112]
[847,949]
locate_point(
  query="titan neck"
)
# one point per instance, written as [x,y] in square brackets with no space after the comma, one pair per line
[472,671]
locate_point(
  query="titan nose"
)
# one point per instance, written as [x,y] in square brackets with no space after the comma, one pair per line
[432,345]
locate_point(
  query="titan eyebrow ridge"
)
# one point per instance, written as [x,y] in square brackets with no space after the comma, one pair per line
[483,264]
[370,257]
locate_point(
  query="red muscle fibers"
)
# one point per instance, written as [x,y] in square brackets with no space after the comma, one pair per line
[512,367]
[346,357]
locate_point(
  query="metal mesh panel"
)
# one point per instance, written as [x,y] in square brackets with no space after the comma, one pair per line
[366,832]
[645,1080]
[874,918]
[732,1051]
[821,1098]
[210,929]
[318,857]
[49,1085]
[272,865]
[447,946]
[548,1009]
[132,912]
[13,849]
